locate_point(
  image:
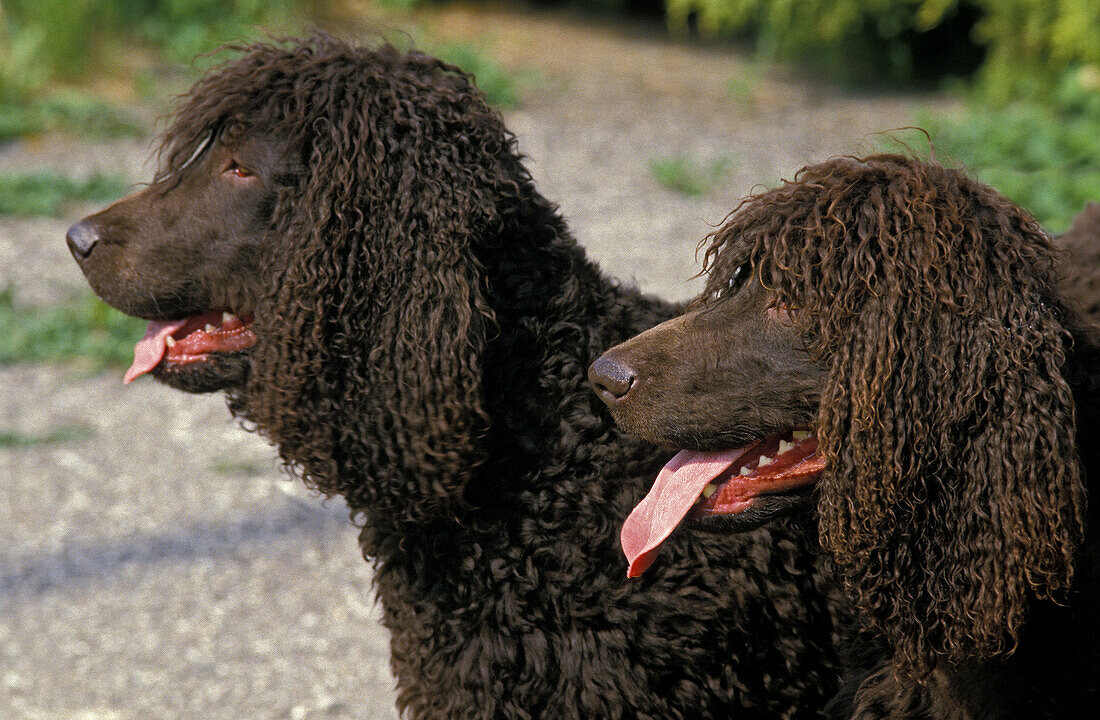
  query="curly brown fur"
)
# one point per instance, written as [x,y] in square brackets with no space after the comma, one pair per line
[1081,248]
[952,384]
[423,322]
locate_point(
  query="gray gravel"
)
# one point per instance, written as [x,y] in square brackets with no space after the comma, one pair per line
[159,565]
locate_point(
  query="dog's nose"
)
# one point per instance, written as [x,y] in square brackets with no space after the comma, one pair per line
[82,239]
[611,377]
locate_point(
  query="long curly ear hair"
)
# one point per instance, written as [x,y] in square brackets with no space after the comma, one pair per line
[953,493]
[367,360]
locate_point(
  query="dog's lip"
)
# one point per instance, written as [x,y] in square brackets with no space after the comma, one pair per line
[777,464]
[192,339]
[713,483]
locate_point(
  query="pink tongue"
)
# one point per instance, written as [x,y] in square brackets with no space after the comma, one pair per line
[674,492]
[150,349]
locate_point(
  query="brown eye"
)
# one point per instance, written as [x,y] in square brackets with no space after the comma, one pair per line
[238,170]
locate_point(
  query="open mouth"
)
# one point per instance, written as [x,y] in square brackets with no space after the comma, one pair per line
[722,482]
[194,339]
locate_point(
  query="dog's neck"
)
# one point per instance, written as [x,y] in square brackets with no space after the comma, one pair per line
[554,312]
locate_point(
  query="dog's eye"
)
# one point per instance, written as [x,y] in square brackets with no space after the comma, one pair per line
[238,170]
[782,312]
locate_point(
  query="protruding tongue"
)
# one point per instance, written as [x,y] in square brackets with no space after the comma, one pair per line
[150,349]
[791,461]
[674,492]
[193,339]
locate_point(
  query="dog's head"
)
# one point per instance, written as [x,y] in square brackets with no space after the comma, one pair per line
[310,244]
[185,253]
[887,332]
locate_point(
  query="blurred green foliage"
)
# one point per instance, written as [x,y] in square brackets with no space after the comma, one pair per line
[1019,41]
[44,41]
[47,193]
[1044,155]
[60,434]
[1032,42]
[1031,122]
[839,35]
[184,29]
[689,175]
[69,108]
[82,328]
[500,86]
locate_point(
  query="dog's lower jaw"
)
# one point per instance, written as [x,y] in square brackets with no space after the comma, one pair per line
[796,505]
[220,371]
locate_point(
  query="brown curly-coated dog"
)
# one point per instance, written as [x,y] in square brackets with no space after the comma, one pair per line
[883,340]
[346,241]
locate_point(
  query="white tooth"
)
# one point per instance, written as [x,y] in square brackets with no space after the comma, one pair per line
[209,328]
[784,446]
[709,490]
[170,341]
[745,471]
[228,317]
[764,460]
[800,434]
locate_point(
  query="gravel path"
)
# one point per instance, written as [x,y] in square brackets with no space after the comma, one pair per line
[157,564]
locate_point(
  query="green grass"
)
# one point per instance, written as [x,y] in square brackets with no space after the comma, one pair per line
[1042,154]
[68,109]
[81,329]
[47,193]
[237,467]
[47,43]
[689,176]
[62,434]
[744,87]
[501,87]
[403,5]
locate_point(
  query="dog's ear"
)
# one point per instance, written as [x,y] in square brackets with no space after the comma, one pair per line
[368,372]
[954,495]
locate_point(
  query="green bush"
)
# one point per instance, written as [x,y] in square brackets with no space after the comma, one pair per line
[1025,41]
[847,38]
[44,41]
[1033,42]
[1044,155]
[185,29]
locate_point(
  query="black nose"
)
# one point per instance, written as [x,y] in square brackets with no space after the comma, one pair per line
[611,377]
[82,239]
